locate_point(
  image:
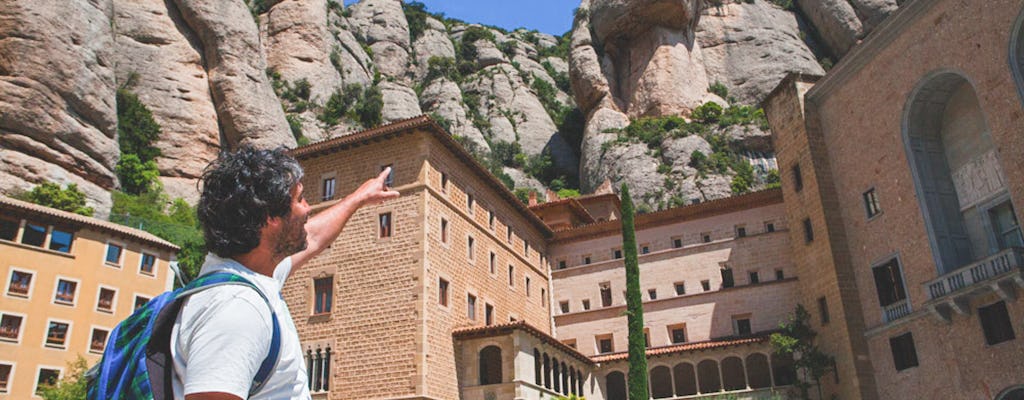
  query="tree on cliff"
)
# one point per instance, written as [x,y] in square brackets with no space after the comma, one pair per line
[634,307]
[51,195]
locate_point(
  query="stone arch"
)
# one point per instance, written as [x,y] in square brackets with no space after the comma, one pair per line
[661,382]
[782,369]
[733,376]
[615,385]
[957,175]
[537,367]
[490,365]
[1017,54]
[685,379]
[1015,392]
[707,376]
[758,373]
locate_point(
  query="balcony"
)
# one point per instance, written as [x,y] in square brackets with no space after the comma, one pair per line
[997,273]
[896,310]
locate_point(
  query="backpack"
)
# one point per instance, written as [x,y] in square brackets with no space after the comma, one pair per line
[137,362]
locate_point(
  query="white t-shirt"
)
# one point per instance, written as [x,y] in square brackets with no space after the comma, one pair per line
[223,334]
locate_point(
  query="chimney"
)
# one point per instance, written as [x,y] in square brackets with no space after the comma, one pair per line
[533,198]
[552,195]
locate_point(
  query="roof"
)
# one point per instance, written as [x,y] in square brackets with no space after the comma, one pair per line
[69,218]
[673,215]
[406,126]
[507,328]
[574,206]
[687,347]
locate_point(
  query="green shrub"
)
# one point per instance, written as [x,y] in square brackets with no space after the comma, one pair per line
[135,175]
[442,67]
[772,180]
[523,194]
[719,89]
[136,128]
[416,15]
[508,48]
[707,113]
[561,78]
[743,115]
[561,50]
[339,104]
[698,160]
[442,121]
[568,193]
[784,4]
[174,221]
[652,130]
[50,194]
[368,109]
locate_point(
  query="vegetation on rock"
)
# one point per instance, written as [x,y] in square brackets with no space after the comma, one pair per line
[50,194]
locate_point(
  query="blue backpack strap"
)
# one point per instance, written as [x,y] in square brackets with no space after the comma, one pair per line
[224,278]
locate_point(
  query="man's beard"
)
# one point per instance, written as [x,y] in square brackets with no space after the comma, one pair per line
[292,238]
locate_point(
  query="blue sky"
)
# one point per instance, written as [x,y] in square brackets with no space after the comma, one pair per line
[548,16]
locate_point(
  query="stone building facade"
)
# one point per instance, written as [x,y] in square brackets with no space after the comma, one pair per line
[68,280]
[904,162]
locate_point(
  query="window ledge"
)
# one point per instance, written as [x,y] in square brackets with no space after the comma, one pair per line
[37,248]
[112,265]
[319,318]
[8,340]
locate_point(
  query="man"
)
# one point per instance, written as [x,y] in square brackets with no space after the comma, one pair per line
[256,223]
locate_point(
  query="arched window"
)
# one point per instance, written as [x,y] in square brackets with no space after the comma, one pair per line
[1017,54]
[707,375]
[490,365]
[782,369]
[661,382]
[579,383]
[1015,392]
[537,367]
[685,378]
[557,378]
[565,379]
[733,377]
[960,184]
[547,371]
[758,375]
[572,380]
[615,385]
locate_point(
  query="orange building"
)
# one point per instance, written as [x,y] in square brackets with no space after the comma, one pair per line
[68,281]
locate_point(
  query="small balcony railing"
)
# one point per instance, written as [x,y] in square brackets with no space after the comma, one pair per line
[896,310]
[969,276]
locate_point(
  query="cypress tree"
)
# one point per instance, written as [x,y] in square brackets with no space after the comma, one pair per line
[637,381]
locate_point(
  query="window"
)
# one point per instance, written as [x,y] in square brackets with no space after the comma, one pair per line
[526,248]
[140,301]
[442,292]
[444,230]
[680,288]
[508,234]
[564,306]
[617,254]
[470,248]
[779,275]
[606,294]
[471,307]
[492,262]
[604,344]
[384,225]
[1005,226]
[488,314]
[823,310]
[543,297]
[586,304]
[490,219]
[106,300]
[808,231]
[904,355]
[5,377]
[727,280]
[490,365]
[706,285]
[10,327]
[645,249]
[113,254]
[871,203]
[469,203]
[47,376]
[741,231]
[98,342]
[769,227]
[677,333]
[318,368]
[328,189]
[647,338]
[889,283]
[20,283]
[444,182]
[995,322]
[527,286]
[798,178]
[34,235]
[390,180]
[146,263]
[60,240]
[570,342]
[586,260]
[9,229]
[741,324]
[323,295]
[561,264]
[511,277]
[706,237]
[65,292]
[677,242]
[57,334]
[652,294]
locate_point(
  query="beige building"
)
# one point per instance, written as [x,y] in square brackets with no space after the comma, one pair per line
[68,281]
[901,174]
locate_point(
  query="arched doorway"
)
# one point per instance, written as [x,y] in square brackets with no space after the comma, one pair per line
[733,377]
[490,365]
[758,375]
[685,378]
[661,382]
[615,385]
[707,375]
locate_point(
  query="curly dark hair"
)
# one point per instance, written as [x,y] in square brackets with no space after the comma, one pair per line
[240,190]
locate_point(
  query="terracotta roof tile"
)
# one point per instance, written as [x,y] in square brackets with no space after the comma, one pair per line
[687,347]
[506,328]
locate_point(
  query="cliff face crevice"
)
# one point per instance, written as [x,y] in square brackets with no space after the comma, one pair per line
[540,110]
